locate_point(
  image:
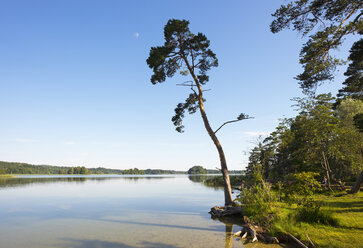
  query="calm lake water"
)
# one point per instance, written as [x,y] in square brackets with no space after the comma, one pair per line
[111,212]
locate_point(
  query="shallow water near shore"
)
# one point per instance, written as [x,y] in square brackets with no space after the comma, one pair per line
[111,211]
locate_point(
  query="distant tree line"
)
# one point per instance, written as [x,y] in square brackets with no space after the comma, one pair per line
[24,168]
[77,170]
[197,169]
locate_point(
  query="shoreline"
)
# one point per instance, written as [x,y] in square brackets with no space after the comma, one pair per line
[7,176]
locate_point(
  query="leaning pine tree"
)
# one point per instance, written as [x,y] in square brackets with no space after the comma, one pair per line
[187,53]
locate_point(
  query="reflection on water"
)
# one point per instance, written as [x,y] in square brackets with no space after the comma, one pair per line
[24,180]
[229,237]
[116,211]
[15,182]
[197,178]
[202,179]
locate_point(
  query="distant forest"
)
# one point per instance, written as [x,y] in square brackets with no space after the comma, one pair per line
[24,168]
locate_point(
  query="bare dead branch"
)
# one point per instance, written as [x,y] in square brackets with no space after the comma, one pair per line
[228,122]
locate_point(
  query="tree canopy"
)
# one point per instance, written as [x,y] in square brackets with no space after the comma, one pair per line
[353,85]
[320,139]
[186,53]
[329,22]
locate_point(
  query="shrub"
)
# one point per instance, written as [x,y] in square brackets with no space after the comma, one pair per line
[300,187]
[259,202]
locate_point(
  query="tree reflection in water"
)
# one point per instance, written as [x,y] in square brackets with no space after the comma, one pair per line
[24,181]
[229,235]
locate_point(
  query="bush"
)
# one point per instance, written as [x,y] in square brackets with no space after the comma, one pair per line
[300,187]
[259,202]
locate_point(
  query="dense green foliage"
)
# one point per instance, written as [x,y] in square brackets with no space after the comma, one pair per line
[300,187]
[358,122]
[330,22]
[258,200]
[321,144]
[353,85]
[23,168]
[329,137]
[197,169]
[319,139]
[77,170]
[324,142]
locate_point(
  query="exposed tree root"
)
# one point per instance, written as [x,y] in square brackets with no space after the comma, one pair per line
[298,242]
[249,230]
[218,212]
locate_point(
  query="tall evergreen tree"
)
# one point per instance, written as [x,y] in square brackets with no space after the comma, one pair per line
[189,54]
[353,85]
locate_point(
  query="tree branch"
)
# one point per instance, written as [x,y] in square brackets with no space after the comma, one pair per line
[317,17]
[192,55]
[186,84]
[193,90]
[336,38]
[240,118]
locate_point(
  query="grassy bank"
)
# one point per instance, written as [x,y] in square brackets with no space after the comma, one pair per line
[346,209]
[327,219]
[6,176]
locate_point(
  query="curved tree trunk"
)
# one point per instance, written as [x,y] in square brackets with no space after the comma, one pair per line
[358,183]
[224,169]
[227,184]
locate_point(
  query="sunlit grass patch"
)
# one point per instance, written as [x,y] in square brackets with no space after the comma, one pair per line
[347,232]
[6,176]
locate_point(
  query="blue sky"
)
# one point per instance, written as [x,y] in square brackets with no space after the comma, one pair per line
[75,87]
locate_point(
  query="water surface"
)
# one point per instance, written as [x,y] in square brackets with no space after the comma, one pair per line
[111,212]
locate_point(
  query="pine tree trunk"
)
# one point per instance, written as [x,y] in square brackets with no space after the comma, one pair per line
[222,158]
[358,183]
[227,184]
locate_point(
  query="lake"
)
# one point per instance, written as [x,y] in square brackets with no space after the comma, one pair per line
[166,211]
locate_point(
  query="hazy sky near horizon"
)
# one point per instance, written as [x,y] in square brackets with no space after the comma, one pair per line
[75,87]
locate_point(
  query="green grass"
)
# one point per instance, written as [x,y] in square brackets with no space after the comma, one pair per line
[347,232]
